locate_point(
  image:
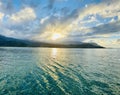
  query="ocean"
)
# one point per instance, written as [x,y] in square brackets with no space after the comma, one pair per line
[59,71]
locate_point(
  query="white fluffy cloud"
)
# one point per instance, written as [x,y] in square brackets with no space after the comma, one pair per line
[25,14]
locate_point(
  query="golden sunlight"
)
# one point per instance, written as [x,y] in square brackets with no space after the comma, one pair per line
[54,52]
[56,36]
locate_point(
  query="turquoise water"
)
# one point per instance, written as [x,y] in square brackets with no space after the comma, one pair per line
[51,71]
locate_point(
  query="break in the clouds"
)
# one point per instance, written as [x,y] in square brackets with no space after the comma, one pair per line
[82,20]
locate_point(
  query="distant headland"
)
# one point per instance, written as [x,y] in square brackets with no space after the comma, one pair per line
[13,42]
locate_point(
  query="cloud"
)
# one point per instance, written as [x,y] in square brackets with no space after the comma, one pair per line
[7,7]
[22,31]
[118,41]
[75,19]
[50,4]
[44,19]
[0,4]
[105,29]
[112,9]
[26,14]
[31,3]
[1,15]
[73,24]
[105,9]
[106,42]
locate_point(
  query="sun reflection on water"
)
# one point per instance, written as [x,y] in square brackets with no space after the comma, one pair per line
[54,52]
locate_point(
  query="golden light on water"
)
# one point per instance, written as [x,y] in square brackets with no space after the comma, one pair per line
[54,52]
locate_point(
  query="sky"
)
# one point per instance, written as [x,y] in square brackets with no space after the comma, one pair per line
[96,21]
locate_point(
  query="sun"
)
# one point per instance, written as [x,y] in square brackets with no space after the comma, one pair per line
[56,36]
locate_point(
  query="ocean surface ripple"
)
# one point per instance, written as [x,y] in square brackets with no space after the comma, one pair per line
[54,71]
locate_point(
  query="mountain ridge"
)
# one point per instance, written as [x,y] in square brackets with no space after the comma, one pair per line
[13,42]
